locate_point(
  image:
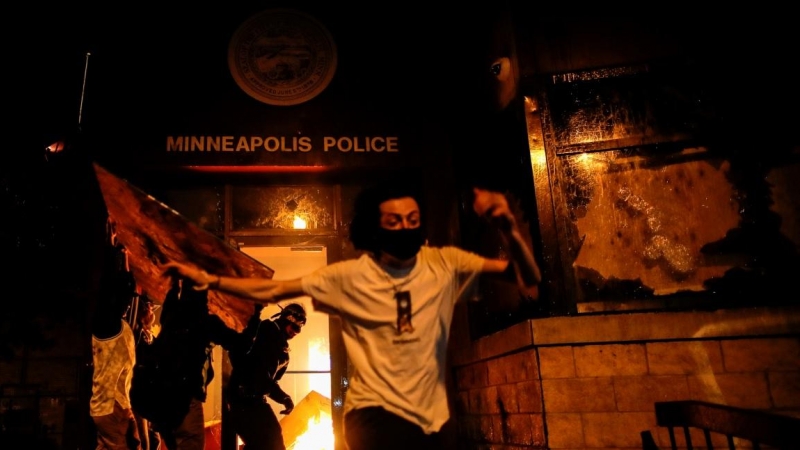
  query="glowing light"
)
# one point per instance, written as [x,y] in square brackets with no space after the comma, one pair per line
[591,162]
[538,158]
[55,147]
[319,358]
[318,436]
[299,223]
[319,355]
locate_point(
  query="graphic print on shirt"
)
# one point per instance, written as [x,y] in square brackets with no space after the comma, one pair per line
[403,312]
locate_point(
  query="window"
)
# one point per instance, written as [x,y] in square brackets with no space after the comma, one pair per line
[653,205]
[283,209]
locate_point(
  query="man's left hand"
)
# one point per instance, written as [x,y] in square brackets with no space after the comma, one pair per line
[494,207]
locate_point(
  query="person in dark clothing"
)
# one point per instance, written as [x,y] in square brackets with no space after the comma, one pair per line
[177,370]
[144,335]
[256,368]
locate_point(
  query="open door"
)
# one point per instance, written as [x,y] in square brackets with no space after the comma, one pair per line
[308,377]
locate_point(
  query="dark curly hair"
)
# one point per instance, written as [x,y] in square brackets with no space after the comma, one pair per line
[367,215]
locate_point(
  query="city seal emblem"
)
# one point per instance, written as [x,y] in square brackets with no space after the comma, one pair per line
[282,57]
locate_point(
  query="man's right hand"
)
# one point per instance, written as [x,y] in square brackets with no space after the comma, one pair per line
[259,289]
[200,278]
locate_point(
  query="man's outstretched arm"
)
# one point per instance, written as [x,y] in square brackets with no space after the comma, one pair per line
[259,290]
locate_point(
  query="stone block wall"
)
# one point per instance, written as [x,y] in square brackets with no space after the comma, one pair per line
[502,399]
[590,382]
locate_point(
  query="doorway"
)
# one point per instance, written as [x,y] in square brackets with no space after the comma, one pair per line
[308,377]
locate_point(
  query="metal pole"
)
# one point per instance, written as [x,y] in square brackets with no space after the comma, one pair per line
[83,88]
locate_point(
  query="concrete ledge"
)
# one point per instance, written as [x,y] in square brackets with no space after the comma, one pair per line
[634,327]
[659,326]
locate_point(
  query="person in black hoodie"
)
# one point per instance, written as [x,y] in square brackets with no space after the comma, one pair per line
[256,368]
[144,335]
[171,380]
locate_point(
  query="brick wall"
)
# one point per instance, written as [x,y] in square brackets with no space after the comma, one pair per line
[590,382]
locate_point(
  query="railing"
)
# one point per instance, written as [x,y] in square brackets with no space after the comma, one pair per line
[735,424]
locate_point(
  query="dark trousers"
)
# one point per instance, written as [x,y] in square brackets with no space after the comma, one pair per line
[375,428]
[190,434]
[256,424]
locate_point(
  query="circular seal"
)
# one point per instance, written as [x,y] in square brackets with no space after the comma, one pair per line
[282,57]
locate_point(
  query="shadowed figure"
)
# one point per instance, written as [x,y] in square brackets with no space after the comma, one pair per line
[171,380]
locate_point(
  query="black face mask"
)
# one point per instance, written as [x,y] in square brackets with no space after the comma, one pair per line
[402,244]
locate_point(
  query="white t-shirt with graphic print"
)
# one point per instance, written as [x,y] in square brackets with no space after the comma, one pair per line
[398,366]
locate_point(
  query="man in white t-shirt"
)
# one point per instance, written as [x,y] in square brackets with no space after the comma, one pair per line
[396,304]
